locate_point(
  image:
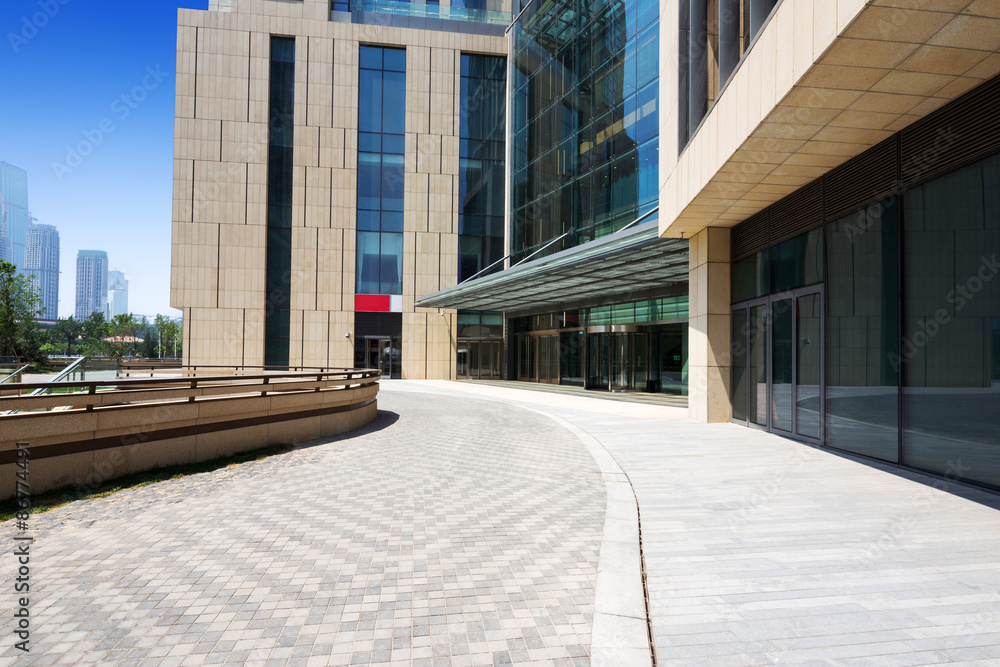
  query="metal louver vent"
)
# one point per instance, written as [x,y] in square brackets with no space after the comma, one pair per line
[750,236]
[798,212]
[862,180]
[953,136]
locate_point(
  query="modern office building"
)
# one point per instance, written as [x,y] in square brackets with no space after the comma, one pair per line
[836,167]
[117,294]
[382,177]
[41,263]
[14,216]
[783,209]
[91,283]
[319,176]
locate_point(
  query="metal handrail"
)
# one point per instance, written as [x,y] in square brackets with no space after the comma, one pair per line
[15,374]
[69,370]
[131,388]
[346,373]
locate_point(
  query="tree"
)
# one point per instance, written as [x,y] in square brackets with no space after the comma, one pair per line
[20,306]
[123,331]
[168,336]
[95,330]
[65,331]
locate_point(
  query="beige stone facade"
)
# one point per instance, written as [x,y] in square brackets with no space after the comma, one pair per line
[220,182]
[822,82]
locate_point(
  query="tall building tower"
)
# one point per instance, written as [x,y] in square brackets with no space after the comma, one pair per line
[41,263]
[117,294]
[14,217]
[91,283]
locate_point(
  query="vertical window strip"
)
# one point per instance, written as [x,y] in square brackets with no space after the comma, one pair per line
[281,143]
[381,141]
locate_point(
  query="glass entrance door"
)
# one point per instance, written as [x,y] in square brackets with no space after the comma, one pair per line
[597,360]
[778,363]
[383,354]
[479,359]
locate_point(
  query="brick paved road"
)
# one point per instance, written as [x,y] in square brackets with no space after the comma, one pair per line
[452,531]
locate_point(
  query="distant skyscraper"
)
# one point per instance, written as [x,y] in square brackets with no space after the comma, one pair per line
[91,283]
[14,217]
[117,294]
[41,263]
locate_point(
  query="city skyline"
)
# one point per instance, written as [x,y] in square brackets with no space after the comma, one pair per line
[96,138]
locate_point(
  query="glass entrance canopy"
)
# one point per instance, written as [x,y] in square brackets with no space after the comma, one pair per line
[631,265]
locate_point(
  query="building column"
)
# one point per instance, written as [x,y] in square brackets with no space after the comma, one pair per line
[709,309]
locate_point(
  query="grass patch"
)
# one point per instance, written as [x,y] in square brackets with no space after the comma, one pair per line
[50,500]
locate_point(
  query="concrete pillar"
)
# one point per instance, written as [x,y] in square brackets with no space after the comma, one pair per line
[709,345]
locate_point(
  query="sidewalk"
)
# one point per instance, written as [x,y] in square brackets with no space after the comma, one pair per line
[477,524]
[763,551]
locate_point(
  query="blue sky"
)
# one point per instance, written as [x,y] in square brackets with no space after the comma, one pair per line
[87,109]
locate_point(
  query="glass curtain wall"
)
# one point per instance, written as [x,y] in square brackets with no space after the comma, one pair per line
[281,142]
[381,134]
[909,314]
[480,345]
[584,120]
[481,187]
[862,397]
[951,324]
[639,346]
[481,163]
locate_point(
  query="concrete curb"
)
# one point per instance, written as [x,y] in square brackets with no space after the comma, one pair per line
[620,635]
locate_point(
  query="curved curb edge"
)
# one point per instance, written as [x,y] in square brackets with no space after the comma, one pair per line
[620,634]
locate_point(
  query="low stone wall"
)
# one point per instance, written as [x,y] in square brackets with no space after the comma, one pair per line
[89,438]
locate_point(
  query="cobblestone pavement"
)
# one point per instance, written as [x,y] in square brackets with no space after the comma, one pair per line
[451,531]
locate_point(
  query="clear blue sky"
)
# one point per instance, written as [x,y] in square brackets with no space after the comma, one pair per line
[63,75]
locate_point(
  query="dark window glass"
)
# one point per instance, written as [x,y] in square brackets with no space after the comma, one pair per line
[280,171]
[750,277]
[393,143]
[392,182]
[757,365]
[571,356]
[481,163]
[584,113]
[797,262]
[370,100]
[368,220]
[369,180]
[739,384]
[951,290]
[381,184]
[371,58]
[862,405]
[395,60]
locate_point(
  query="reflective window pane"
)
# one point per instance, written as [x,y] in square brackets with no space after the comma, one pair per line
[809,355]
[951,397]
[862,404]
[782,353]
[739,383]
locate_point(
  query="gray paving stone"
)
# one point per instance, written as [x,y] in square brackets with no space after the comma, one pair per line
[444,514]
